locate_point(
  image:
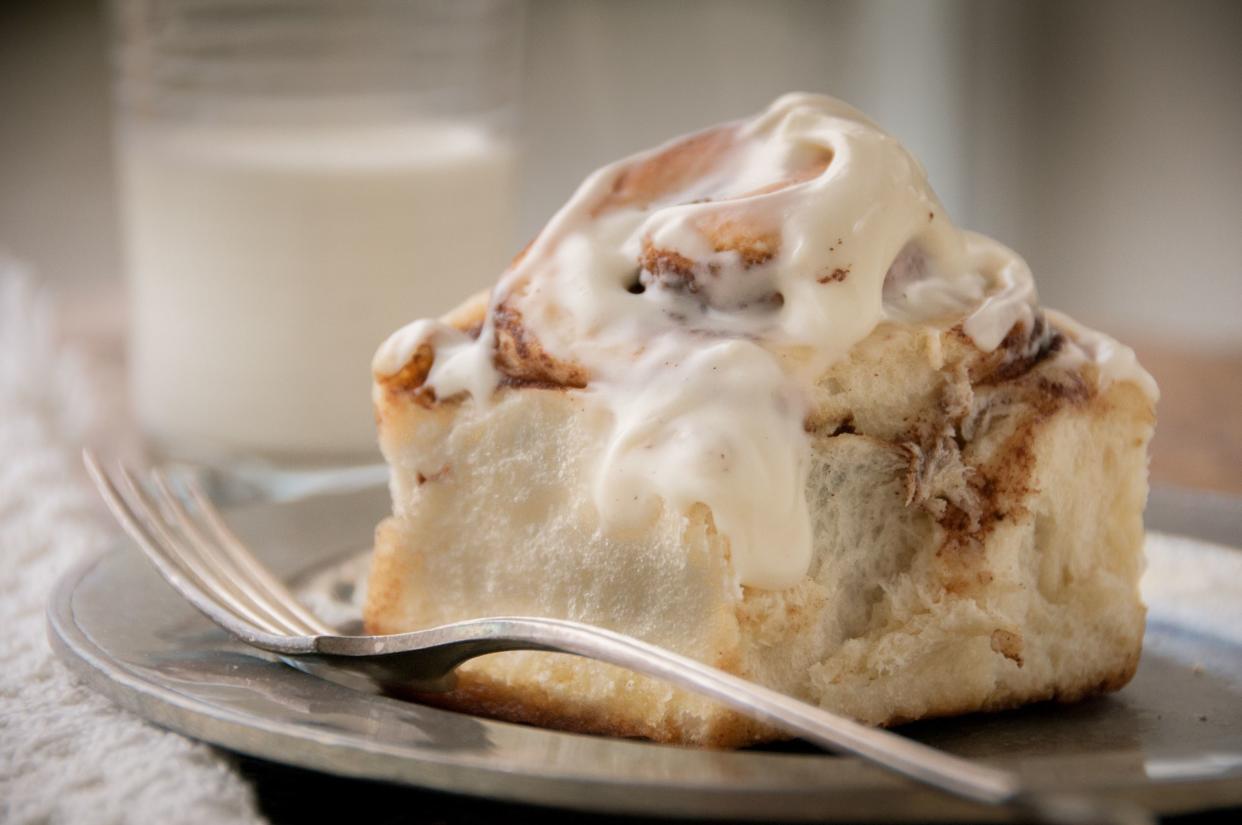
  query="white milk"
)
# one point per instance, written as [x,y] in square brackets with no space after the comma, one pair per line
[266,266]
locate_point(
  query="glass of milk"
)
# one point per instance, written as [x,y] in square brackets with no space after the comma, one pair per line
[299,178]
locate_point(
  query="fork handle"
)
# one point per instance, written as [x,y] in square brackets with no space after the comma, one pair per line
[437,651]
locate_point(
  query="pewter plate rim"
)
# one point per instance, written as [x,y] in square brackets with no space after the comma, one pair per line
[726,785]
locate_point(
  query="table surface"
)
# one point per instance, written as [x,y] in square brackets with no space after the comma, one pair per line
[1198,444]
[1198,440]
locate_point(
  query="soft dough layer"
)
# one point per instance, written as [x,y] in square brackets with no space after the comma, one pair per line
[977,524]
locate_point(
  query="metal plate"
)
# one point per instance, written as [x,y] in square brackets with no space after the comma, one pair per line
[1172,740]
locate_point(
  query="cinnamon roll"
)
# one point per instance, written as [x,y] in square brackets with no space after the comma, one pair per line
[753,397]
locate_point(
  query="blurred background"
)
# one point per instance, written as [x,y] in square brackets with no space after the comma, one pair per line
[1102,140]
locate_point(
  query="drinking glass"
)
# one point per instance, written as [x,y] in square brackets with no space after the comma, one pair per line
[300,178]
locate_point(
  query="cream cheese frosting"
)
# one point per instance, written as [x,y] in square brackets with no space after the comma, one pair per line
[703,304]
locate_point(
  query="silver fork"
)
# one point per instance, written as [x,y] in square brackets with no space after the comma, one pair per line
[195,551]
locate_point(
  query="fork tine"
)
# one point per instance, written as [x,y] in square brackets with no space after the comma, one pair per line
[246,561]
[147,513]
[243,586]
[169,569]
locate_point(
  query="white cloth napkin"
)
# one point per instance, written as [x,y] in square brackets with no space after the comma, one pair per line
[66,754]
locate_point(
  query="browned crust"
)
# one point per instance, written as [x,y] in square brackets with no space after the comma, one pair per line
[391,568]
[522,359]
[754,243]
[729,228]
[734,231]
[1022,349]
[409,379]
[671,170]
[1096,685]
[480,695]
[669,269]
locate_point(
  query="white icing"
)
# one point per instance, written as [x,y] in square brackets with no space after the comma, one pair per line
[707,387]
[1008,296]
[1116,361]
[718,423]
[459,365]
